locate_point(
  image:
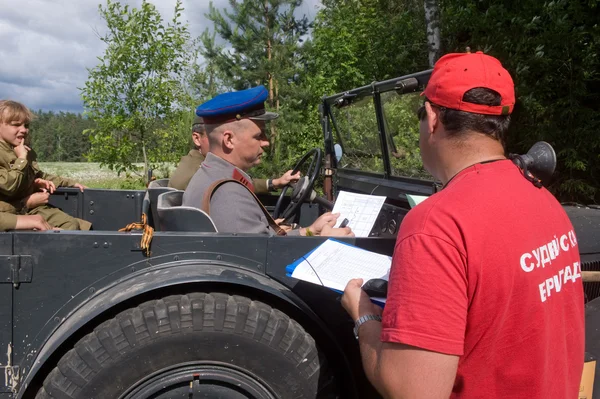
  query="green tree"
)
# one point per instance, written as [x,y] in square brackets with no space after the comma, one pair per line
[136,91]
[265,39]
[551,49]
[357,42]
[58,137]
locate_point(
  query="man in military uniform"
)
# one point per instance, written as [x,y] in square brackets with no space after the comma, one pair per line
[189,164]
[235,123]
[24,188]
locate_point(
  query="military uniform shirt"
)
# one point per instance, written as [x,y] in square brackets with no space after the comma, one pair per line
[232,208]
[17,177]
[188,166]
[8,221]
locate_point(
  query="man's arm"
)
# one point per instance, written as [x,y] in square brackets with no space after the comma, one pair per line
[402,371]
[261,186]
[414,351]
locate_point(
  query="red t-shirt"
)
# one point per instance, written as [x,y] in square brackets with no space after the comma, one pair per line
[488,269]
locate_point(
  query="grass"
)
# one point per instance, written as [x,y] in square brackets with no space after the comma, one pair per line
[92,175]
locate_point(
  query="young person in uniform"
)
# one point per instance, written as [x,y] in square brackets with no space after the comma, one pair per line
[485,298]
[24,188]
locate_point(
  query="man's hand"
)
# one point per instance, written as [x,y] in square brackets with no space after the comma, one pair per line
[37,199]
[324,226]
[326,219]
[21,150]
[79,186]
[329,231]
[286,179]
[44,185]
[286,227]
[357,302]
[32,222]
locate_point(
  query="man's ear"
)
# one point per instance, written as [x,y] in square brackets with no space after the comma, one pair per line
[228,139]
[433,117]
[196,138]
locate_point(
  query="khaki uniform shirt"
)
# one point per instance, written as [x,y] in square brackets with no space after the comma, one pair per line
[188,166]
[232,208]
[8,221]
[17,177]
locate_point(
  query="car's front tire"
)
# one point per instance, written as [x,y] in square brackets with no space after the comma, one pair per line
[199,345]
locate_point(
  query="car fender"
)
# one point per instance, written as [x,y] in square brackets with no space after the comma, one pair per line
[155,278]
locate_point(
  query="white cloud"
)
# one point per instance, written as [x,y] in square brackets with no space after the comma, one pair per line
[48,44]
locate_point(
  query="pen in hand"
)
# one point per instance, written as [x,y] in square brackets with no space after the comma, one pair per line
[344,223]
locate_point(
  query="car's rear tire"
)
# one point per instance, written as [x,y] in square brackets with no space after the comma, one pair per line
[199,345]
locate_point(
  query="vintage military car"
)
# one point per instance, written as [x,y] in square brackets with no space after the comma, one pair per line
[188,312]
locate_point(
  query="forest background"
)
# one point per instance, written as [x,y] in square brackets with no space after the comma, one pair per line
[139,98]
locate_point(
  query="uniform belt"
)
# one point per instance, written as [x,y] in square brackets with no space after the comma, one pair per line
[213,187]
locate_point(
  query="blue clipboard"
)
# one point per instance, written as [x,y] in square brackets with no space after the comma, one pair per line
[289,269]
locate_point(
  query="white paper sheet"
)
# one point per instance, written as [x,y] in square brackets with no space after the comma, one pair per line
[333,264]
[360,209]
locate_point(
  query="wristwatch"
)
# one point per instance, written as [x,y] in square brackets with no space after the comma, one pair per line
[363,319]
[270,186]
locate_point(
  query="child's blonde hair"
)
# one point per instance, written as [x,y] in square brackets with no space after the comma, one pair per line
[12,111]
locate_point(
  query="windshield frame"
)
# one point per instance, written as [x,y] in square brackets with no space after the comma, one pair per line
[373,90]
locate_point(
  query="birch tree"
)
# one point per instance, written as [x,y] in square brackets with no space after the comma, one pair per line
[136,87]
[432,22]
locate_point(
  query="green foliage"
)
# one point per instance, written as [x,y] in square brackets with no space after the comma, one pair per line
[264,46]
[59,136]
[402,125]
[551,48]
[358,42]
[264,37]
[143,90]
[359,135]
[136,92]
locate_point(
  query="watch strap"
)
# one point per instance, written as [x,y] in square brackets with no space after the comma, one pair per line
[362,320]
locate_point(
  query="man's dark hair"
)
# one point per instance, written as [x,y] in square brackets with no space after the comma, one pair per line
[457,123]
[199,128]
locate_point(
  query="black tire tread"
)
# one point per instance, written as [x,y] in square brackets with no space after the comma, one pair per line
[179,314]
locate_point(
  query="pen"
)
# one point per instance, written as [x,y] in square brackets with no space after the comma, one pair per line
[344,223]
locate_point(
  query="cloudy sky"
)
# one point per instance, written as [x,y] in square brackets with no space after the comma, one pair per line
[46,45]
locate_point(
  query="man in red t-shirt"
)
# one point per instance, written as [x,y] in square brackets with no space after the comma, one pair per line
[485,296]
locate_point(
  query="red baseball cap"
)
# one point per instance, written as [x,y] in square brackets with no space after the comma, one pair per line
[455,74]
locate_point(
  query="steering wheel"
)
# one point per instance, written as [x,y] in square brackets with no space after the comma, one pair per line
[303,188]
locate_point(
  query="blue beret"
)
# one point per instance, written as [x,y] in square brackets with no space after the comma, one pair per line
[243,104]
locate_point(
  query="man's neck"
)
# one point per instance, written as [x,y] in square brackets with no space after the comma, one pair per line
[228,158]
[459,156]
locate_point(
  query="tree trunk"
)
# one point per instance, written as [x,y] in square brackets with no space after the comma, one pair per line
[143,141]
[270,75]
[146,177]
[275,139]
[432,22]
[269,56]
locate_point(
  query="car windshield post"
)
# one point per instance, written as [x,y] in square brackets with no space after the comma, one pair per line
[382,134]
